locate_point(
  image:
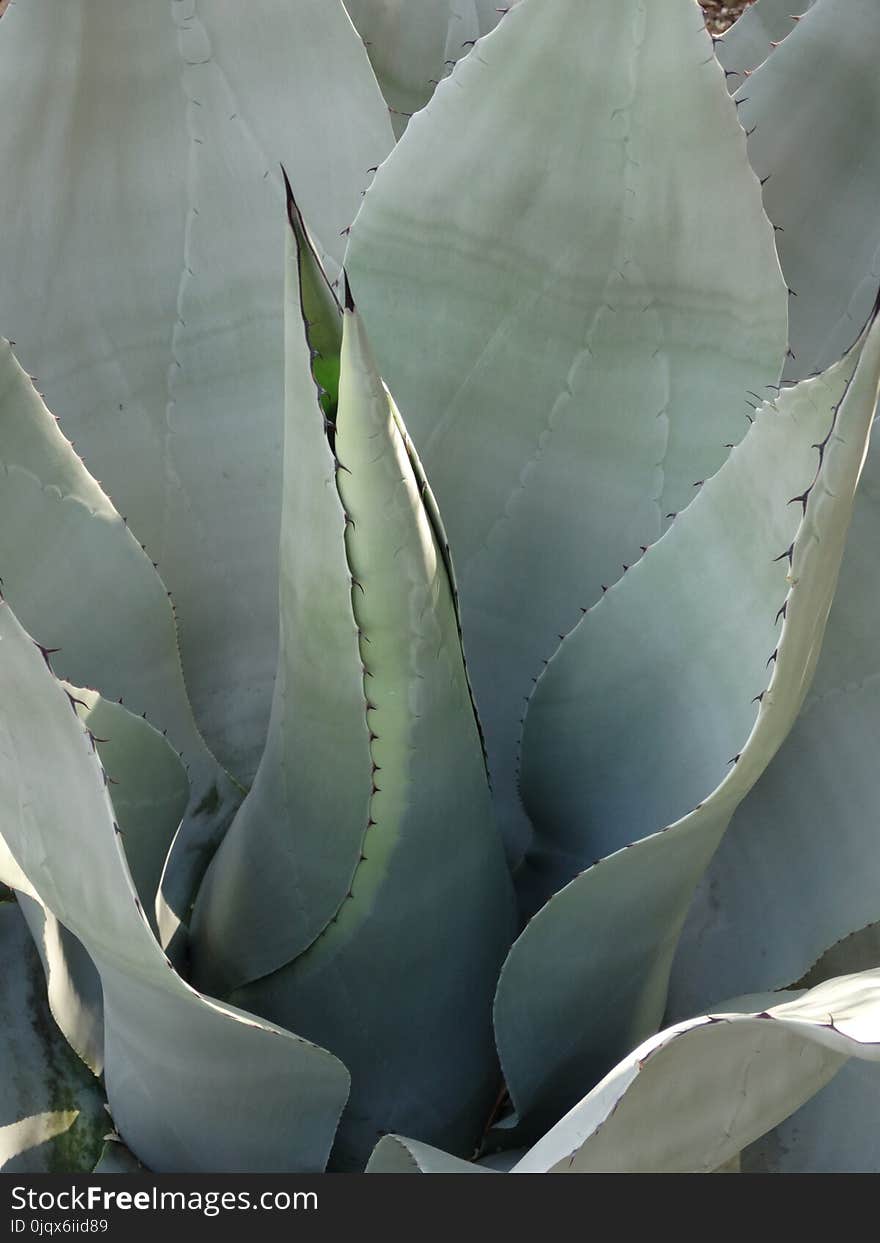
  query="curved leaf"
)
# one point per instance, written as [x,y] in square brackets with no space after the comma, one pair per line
[814,150]
[429,897]
[72,984]
[754,35]
[296,843]
[76,575]
[396,1155]
[144,290]
[568,345]
[835,1132]
[151,790]
[659,691]
[412,46]
[51,1108]
[177,1065]
[810,825]
[690,1098]
[860,951]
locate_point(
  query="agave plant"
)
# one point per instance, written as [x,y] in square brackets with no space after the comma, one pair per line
[376,846]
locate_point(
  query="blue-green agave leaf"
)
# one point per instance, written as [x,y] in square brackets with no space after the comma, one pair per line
[810,825]
[51,1108]
[662,708]
[571,348]
[396,1155]
[72,984]
[288,860]
[837,1131]
[754,35]
[177,1065]
[811,112]
[688,1099]
[151,789]
[429,896]
[412,46]
[77,576]
[141,203]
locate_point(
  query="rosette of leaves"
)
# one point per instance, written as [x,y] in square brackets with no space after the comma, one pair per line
[380,839]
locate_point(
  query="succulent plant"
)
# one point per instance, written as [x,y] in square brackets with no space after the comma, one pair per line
[380,840]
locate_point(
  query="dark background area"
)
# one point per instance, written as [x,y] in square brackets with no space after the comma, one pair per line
[720,15]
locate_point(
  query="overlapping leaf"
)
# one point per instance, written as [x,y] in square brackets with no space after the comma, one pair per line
[810,826]
[79,578]
[835,1132]
[570,347]
[51,1108]
[76,575]
[811,111]
[72,984]
[693,666]
[177,1065]
[390,786]
[690,1098]
[755,34]
[288,860]
[141,203]
[396,1155]
[151,790]
[412,46]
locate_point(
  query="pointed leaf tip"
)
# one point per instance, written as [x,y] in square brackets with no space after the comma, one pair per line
[290,197]
[349,299]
